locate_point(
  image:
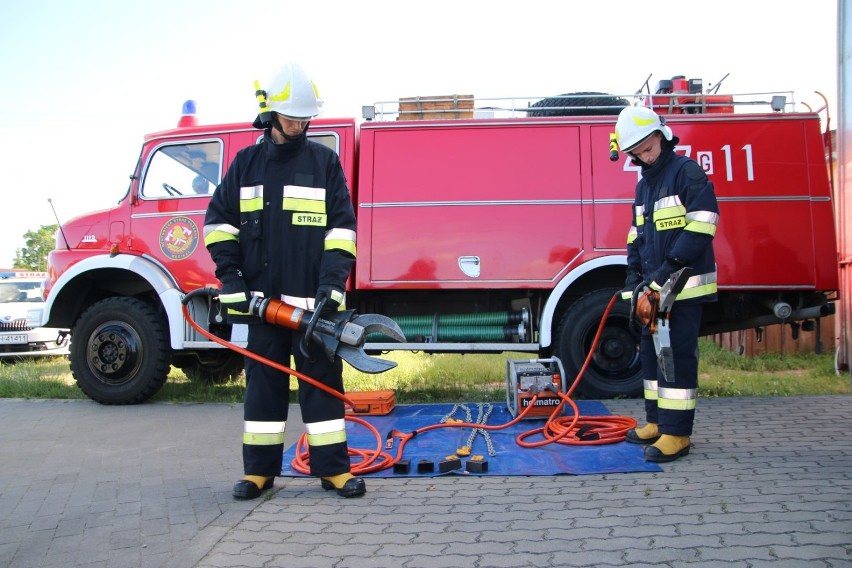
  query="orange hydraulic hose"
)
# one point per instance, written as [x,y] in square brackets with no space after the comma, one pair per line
[568,430]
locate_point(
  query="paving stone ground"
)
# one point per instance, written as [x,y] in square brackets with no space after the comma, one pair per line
[768,483]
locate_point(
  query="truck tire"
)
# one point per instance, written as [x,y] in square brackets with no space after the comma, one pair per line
[586,103]
[614,371]
[119,351]
[212,367]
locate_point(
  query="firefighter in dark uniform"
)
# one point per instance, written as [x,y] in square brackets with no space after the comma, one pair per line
[281,224]
[674,220]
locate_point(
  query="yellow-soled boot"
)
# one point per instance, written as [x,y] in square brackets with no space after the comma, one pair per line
[667,448]
[647,434]
[251,486]
[346,485]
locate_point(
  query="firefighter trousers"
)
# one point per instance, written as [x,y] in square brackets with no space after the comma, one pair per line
[267,401]
[671,404]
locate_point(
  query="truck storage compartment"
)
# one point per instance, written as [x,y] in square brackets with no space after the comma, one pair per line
[490,205]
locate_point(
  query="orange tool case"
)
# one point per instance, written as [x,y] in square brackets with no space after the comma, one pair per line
[371,402]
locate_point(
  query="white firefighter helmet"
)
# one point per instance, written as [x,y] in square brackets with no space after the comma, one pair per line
[291,93]
[637,123]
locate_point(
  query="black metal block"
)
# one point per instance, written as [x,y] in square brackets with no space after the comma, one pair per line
[449,464]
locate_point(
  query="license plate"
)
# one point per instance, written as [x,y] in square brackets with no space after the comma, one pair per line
[17,338]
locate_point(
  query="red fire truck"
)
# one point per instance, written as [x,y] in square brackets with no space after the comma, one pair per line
[480,229]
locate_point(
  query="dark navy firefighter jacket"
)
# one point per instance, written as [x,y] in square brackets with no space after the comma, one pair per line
[675,215]
[283,217]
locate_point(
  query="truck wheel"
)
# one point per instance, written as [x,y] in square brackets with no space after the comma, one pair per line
[614,371]
[120,352]
[212,367]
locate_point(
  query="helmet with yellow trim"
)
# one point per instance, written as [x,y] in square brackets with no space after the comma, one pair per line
[292,93]
[635,123]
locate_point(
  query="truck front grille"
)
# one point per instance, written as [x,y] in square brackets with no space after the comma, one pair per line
[15,325]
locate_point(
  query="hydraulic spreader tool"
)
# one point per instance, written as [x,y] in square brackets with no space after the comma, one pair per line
[340,333]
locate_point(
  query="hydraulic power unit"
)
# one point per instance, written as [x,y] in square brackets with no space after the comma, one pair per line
[529,377]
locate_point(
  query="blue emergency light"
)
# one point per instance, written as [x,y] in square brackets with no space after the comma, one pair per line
[188,114]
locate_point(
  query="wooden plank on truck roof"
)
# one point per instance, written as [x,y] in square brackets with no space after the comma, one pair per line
[429,108]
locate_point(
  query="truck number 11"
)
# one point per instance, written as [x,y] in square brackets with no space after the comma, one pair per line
[729,169]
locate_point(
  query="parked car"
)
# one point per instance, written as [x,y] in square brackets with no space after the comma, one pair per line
[21,306]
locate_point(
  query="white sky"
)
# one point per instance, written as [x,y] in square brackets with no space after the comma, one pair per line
[81,81]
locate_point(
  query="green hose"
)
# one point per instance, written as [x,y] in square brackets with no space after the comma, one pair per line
[486,327]
[487,318]
[422,333]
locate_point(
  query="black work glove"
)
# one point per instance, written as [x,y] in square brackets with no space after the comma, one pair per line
[235,294]
[333,297]
[658,279]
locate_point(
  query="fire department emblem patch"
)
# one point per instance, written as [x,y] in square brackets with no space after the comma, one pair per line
[179,238]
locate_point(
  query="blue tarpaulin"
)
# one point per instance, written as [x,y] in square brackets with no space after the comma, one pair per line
[509,458]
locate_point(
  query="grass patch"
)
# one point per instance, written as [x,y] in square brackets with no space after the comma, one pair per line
[722,373]
[47,377]
[423,378]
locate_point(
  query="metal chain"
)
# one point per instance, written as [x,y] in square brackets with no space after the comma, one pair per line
[468,415]
[485,410]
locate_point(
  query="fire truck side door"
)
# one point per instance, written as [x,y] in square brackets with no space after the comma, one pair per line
[168,218]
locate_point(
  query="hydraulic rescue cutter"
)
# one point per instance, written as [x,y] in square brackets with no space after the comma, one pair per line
[657,310]
[342,333]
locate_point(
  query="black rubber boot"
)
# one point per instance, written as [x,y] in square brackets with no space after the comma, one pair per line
[247,489]
[668,448]
[354,487]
